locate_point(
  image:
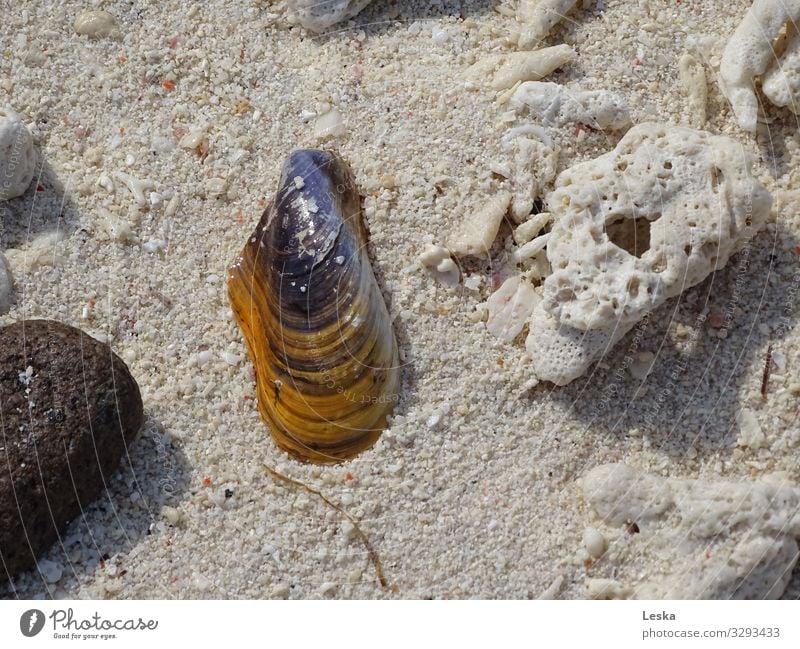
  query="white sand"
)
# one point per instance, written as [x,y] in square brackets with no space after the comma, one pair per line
[484,503]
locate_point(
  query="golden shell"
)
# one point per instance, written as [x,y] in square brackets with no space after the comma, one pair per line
[313,317]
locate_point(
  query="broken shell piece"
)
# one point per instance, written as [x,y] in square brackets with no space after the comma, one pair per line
[437,259]
[555,104]
[530,228]
[530,249]
[504,70]
[510,306]
[693,79]
[95,24]
[538,17]
[749,53]
[534,161]
[318,16]
[632,228]
[714,540]
[478,231]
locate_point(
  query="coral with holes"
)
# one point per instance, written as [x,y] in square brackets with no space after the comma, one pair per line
[754,48]
[701,540]
[632,228]
[318,15]
[553,103]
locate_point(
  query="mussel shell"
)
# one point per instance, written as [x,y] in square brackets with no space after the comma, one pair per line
[313,317]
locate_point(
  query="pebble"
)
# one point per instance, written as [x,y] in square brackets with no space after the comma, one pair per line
[50,570]
[17,155]
[99,411]
[95,24]
[595,542]
[281,591]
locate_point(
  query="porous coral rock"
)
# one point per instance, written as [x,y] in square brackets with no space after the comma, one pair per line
[717,540]
[318,15]
[632,228]
[781,82]
[553,103]
[749,53]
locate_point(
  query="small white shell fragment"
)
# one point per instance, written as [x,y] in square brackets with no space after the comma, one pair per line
[192,139]
[95,24]
[437,259]
[473,282]
[106,183]
[693,79]
[553,103]
[330,124]
[327,588]
[534,163]
[750,433]
[117,229]
[530,249]
[154,245]
[607,589]
[172,514]
[750,527]
[137,187]
[553,589]
[477,232]
[509,308]
[318,16]
[530,228]
[538,17]
[504,70]
[749,53]
[6,285]
[17,155]
[215,187]
[594,542]
[173,205]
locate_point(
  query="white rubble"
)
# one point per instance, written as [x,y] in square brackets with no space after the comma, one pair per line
[534,160]
[749,53]
[318,15]
[555,104]
[510,306]
[538,17]
[693,78]
[438,261]
[17,155]
[477,232]
[633,228]
[711,540]
[504,70]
